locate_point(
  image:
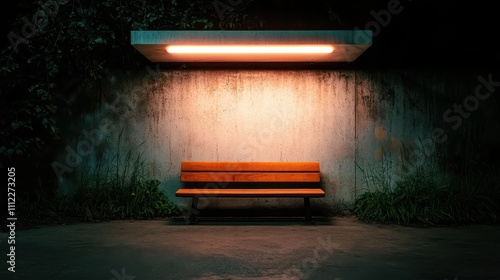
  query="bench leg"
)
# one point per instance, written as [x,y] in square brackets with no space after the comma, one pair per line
[307,206]
[194,207]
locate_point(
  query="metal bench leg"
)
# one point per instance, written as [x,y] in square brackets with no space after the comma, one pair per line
[307,206]
[194,207]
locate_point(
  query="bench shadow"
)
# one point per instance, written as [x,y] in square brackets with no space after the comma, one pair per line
[253,216]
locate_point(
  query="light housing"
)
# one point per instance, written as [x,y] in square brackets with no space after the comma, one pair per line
[252,46]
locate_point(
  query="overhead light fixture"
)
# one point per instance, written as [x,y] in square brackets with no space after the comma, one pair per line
[252,46]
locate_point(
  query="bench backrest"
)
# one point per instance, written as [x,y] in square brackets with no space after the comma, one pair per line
[196,171]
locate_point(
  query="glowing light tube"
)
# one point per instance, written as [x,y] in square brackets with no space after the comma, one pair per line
[249,49]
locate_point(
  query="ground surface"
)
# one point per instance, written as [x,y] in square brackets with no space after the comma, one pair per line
[44,220]
[337,248]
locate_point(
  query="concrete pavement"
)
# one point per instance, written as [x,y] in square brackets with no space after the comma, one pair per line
[340,248]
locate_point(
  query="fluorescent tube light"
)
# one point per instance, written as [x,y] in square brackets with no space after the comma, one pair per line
[249,49]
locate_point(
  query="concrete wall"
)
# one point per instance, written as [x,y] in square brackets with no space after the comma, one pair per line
[339,118]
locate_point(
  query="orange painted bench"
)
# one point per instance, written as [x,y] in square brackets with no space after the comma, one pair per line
[252,172]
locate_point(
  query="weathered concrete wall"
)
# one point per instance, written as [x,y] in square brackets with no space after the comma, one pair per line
[393,127]
[251,116]
[339,118]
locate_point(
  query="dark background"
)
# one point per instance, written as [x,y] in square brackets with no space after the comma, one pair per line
[425,34]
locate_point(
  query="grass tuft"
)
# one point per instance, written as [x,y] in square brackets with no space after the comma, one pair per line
[425,197]
[119,190]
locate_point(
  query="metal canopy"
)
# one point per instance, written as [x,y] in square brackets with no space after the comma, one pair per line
[347,45]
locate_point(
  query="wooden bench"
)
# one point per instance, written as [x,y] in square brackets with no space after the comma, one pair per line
[226,173]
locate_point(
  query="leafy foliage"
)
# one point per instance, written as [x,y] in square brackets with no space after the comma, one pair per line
[76,43]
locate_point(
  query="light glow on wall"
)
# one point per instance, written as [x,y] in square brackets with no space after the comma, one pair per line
[250,49]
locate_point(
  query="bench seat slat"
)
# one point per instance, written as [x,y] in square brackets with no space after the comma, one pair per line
[250,177]
[251,192]
[249,166]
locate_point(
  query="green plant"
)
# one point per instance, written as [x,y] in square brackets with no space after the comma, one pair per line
[380,179]
[119,188]
[35,203]
[424,197]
